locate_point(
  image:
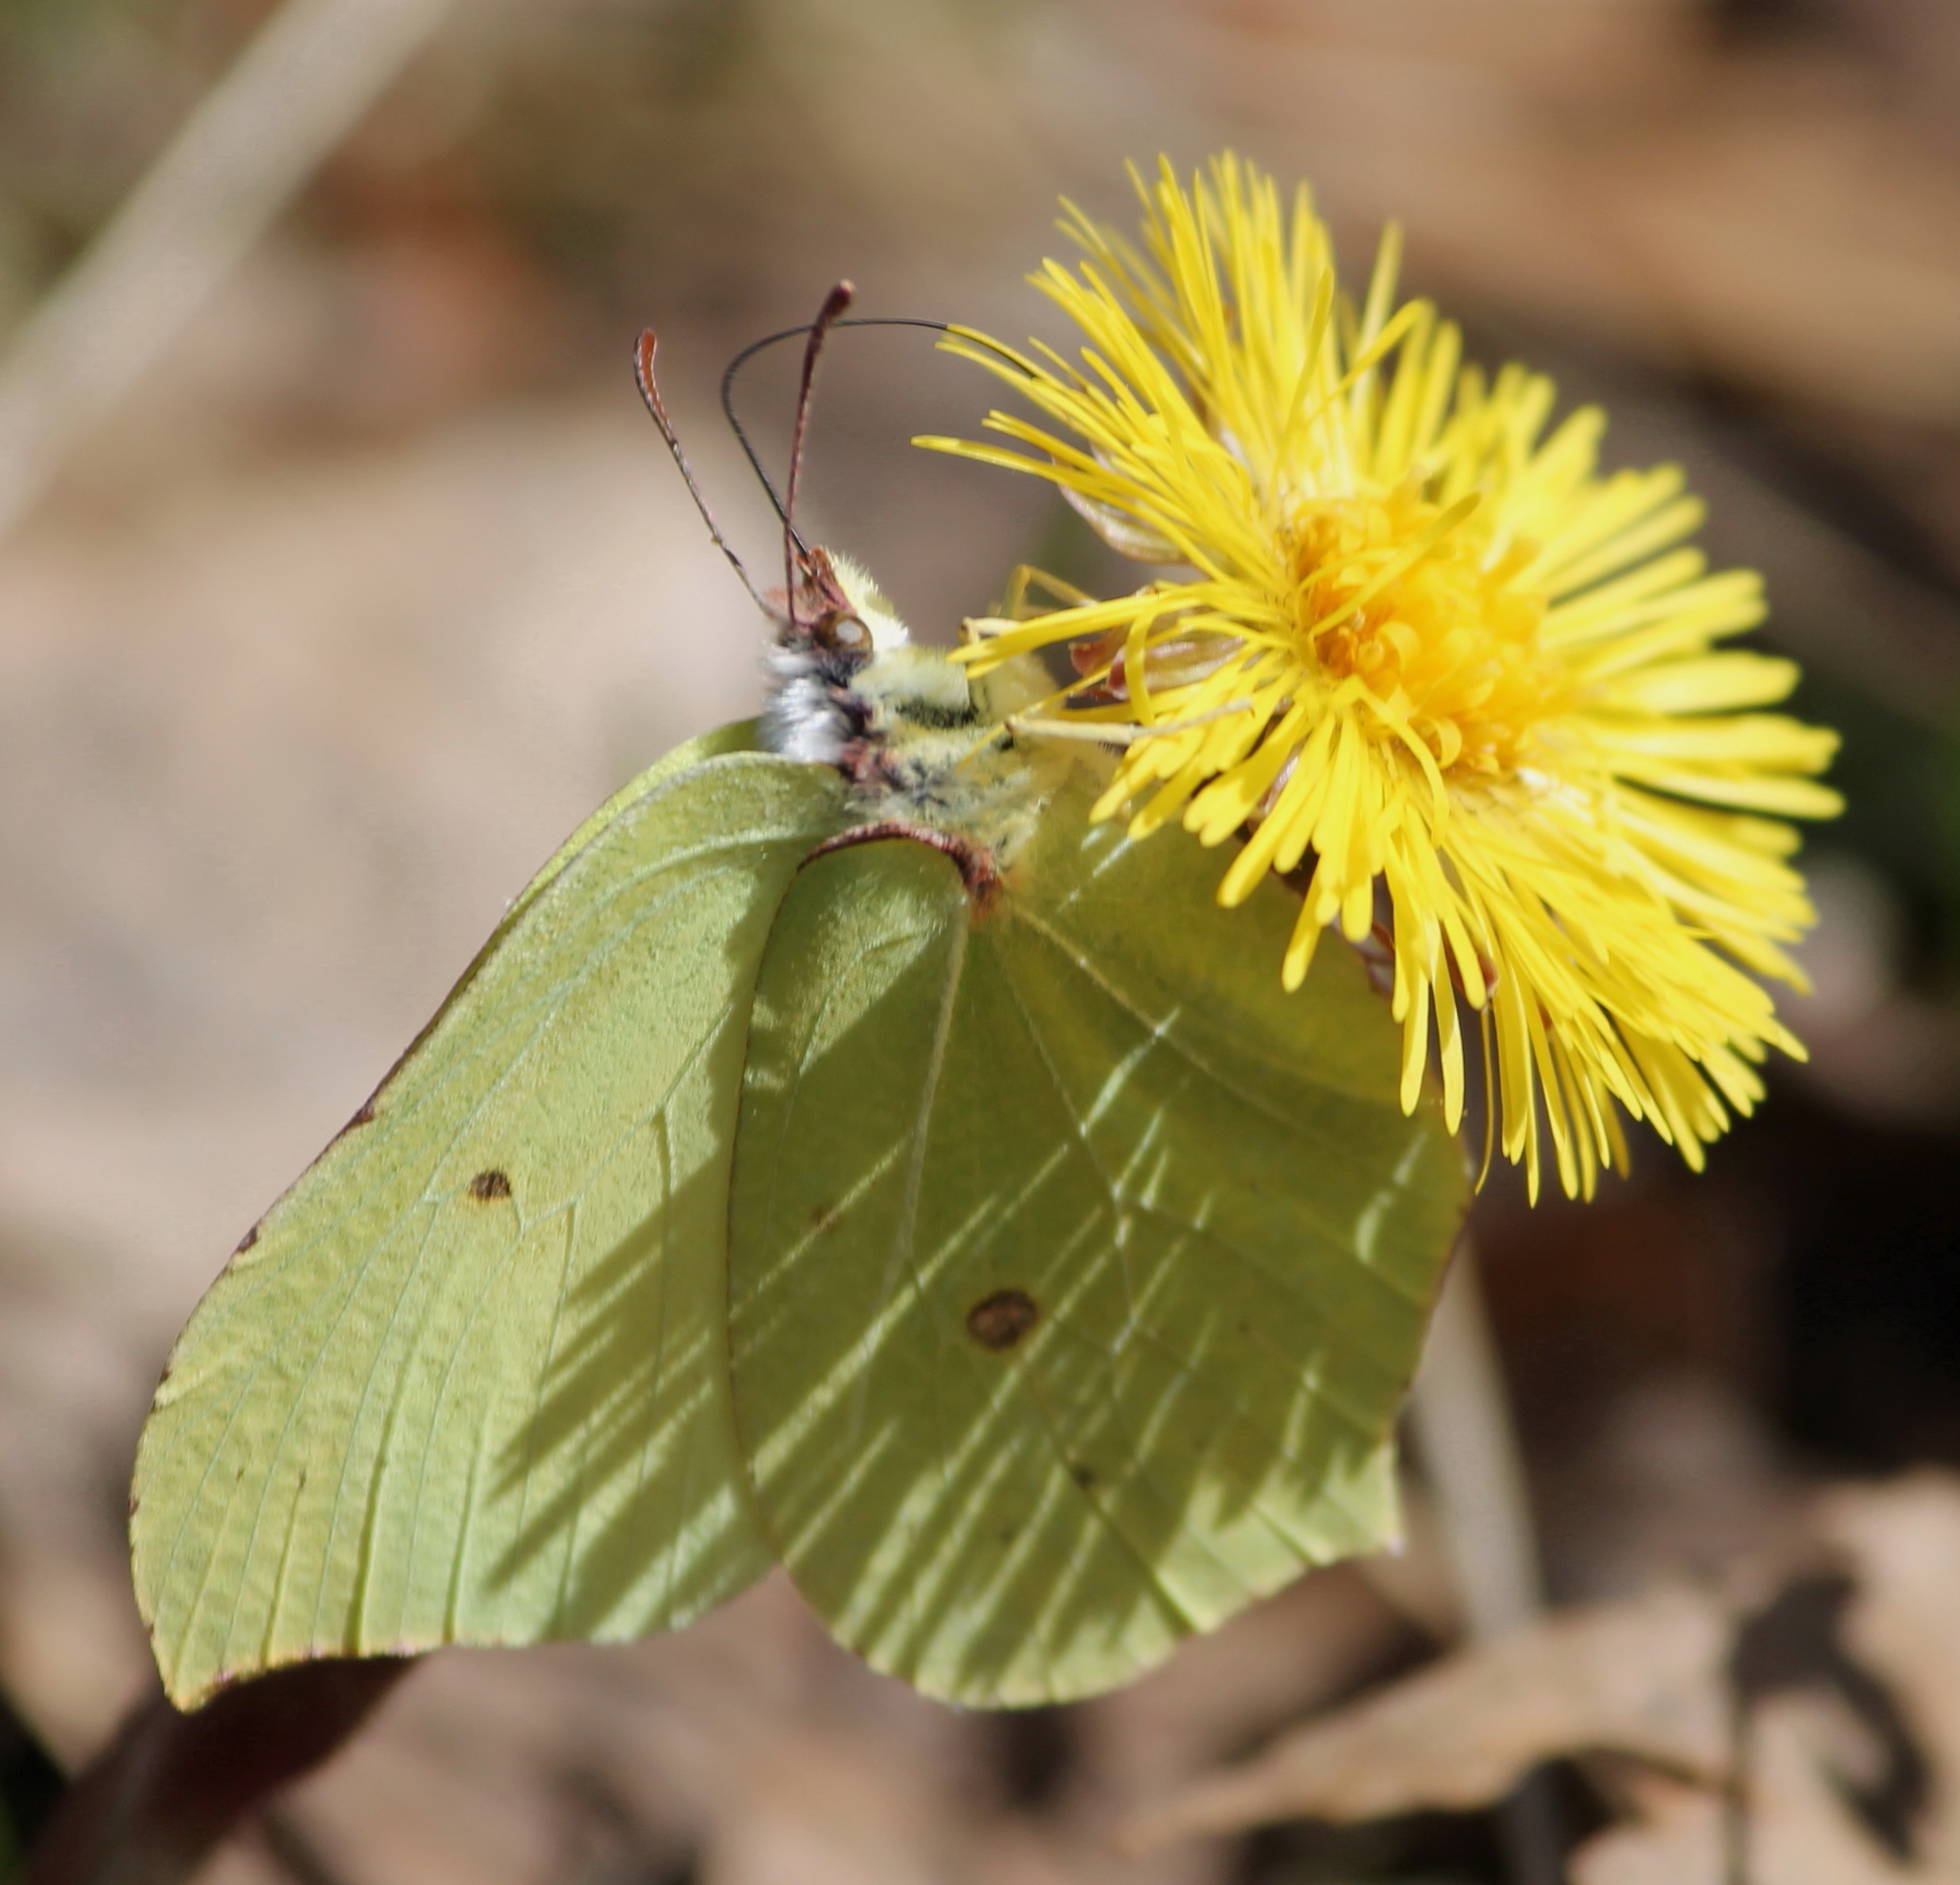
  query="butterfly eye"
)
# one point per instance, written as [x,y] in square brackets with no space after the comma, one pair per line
[847,631]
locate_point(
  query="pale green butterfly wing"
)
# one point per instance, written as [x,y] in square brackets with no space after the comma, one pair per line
[1077,1272]
[467,1382]
[718,743]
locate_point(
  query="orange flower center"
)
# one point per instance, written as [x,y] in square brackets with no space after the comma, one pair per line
[1442,635]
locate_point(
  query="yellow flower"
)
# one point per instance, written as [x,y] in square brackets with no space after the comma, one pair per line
[1460,688]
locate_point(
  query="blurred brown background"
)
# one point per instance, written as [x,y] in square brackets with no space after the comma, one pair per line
[379,580]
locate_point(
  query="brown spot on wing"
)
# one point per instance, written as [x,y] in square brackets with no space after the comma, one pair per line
[246,1241]
[490,1185]
[999,1321]
[826,1218]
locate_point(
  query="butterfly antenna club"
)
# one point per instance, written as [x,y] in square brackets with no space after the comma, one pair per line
[834,303]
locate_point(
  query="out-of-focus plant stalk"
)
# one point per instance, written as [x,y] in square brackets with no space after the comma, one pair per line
[1460,1418]
[307,77]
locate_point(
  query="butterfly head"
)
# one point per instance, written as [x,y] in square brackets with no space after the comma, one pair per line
[835,627]
[919,741]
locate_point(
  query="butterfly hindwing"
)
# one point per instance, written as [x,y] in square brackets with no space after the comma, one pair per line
[1077,1272]
[467,1381]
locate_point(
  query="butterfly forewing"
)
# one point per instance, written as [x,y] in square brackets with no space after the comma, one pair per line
[1076,1271]
[467,1380]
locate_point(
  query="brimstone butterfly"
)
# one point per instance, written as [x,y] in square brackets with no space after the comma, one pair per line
[843,1154]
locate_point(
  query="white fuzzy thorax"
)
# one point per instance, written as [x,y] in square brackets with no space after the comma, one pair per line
[802,717]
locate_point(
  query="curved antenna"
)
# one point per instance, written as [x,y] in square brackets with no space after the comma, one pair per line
[793,549]
[791,333]
[644,351]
